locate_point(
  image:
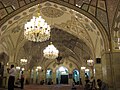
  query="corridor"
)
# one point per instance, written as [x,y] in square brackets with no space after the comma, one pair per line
[48,87]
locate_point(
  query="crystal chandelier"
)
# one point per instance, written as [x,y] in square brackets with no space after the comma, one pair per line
[50,52]
[37,29]
[90,62]
[23,61]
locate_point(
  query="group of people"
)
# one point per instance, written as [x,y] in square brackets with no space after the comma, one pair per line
[11,80]
[102,85]
[91,84]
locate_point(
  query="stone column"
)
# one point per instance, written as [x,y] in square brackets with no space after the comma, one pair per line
[107,69]
[27,75]
[115,61]
[91,71]
[34,76]
[70,77]
[82,74]
[111,69]
[54,77]
[98,71]
[11,59]
[6,75]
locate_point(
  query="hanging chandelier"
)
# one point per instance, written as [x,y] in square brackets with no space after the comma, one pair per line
[23,61]
[37,30]
[90,62]
[50,52]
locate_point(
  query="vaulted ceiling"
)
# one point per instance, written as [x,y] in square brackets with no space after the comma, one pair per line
[76,31]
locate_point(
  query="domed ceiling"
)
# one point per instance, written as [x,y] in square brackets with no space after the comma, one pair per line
[74,34]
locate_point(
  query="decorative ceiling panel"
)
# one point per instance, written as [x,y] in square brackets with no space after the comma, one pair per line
[52,12]
[66,19]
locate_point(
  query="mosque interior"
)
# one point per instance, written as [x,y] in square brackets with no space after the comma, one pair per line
[81,30]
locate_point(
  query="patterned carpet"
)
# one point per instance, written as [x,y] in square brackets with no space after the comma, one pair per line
[48,87]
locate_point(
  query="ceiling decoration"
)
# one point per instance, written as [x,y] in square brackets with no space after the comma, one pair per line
[77,37]
[116,30]
[59,60]
[67,62]
[52,12]
[91,6]
[74,31]
[76,24]
[75,27]
[65,48]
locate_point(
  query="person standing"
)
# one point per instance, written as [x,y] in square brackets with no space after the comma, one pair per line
[86,77]
[11,80]
[102,85]
[93,85]
[22,80]
[87,85]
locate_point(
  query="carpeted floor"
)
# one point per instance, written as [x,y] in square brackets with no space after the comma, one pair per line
[48,87]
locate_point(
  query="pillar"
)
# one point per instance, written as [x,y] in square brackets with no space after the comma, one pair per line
[6,75]
[82,73]
[111,69]
[54,77]
[70,77]
[98,71]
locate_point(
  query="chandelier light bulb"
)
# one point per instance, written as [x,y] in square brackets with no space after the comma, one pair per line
[50,52]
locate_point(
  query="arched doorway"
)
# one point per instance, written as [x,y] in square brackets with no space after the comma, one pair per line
[62,75]
[87,73]
[49,77]
[76,77]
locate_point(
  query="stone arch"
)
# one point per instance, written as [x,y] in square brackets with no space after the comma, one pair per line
[97,23]
[63,3]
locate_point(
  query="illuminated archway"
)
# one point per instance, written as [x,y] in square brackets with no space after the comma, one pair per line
[62,75]
[76,77]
